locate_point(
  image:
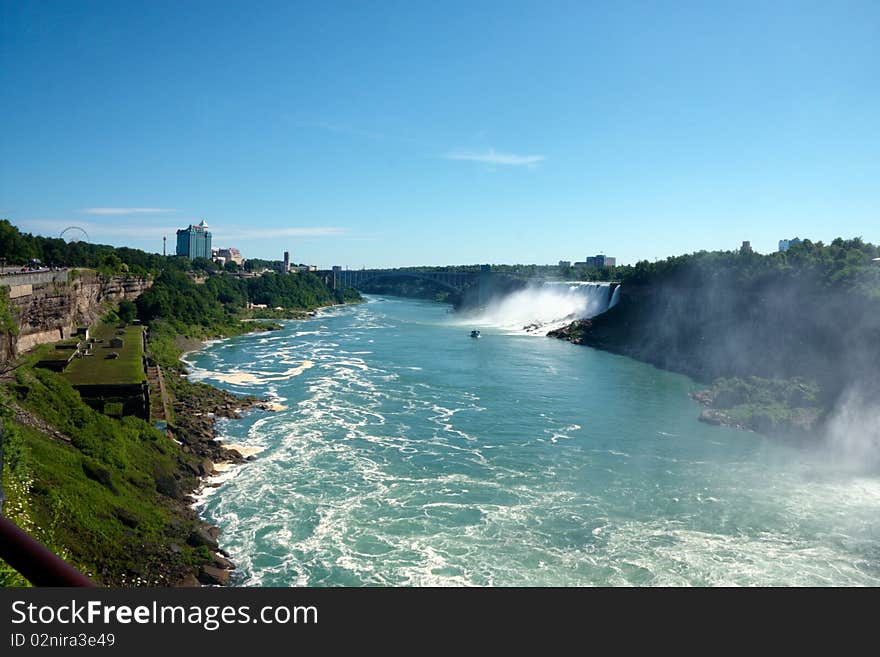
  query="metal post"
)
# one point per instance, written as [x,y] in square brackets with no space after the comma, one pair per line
[39,565]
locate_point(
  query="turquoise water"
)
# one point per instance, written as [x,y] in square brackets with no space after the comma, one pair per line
[410,454]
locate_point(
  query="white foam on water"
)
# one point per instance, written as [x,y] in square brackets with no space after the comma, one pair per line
[378,479]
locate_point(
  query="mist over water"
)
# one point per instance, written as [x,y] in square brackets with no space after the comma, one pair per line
[410,454]
[853,431]
[542,307]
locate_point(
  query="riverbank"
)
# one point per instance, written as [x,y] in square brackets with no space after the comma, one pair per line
[790,409]
[197,411]
[774,407]
[807,316]
[197,408]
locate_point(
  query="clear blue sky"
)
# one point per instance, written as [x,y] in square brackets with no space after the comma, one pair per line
[402,133]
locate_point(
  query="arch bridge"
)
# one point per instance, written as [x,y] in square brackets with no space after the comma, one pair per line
[454,281]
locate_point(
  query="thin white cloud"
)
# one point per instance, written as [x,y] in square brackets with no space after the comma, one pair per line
[223,232]
[116,211]
[98,232]
[491,156]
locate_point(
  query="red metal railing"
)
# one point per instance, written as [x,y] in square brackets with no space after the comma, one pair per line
[37,563]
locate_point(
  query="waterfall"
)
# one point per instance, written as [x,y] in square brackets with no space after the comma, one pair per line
[615,297]
[543,307]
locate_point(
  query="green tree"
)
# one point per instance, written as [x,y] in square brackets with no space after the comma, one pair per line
[127,311]
[111,264]
[8,323]
[204,264]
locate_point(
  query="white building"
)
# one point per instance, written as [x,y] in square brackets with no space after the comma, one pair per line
[229,255]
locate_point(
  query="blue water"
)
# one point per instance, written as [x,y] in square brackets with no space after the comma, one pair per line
[411,454]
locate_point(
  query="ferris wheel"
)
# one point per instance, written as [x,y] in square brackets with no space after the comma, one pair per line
[74,234]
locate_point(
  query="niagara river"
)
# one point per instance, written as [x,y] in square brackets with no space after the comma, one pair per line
[406,453]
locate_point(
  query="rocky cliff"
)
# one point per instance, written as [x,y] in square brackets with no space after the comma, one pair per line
[51,311]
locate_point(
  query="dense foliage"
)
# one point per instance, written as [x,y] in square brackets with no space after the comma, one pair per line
[811,313]
[127,311]
[7,318]
[97,501]
[837,266]
[217,302]
[213,303]
[413,288]
[773,406]
[18,248]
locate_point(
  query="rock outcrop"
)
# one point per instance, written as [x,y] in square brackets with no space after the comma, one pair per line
[50,311]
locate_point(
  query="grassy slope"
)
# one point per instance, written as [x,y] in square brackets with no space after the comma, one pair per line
[123,531]
[95,501]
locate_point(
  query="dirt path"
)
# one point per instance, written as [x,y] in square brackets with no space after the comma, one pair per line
[28,419]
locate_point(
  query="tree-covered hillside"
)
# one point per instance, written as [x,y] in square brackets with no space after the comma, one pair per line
[212,304]
[841,264]
[809,316]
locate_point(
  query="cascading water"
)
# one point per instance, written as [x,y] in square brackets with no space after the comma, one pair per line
[615,297]
[538,309]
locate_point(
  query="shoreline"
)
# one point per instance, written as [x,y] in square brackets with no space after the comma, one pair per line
[219,461]
[196,434]
[776,418]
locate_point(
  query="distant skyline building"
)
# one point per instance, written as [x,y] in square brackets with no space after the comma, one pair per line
[746,247]
[601,260]
[785,245]
[565,263]
[230,255]
[195,241]
[287,262]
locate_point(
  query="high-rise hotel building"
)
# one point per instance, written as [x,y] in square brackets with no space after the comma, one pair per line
[194,242]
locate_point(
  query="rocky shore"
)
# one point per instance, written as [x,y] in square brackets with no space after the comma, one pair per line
[196,409]
[783,408]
